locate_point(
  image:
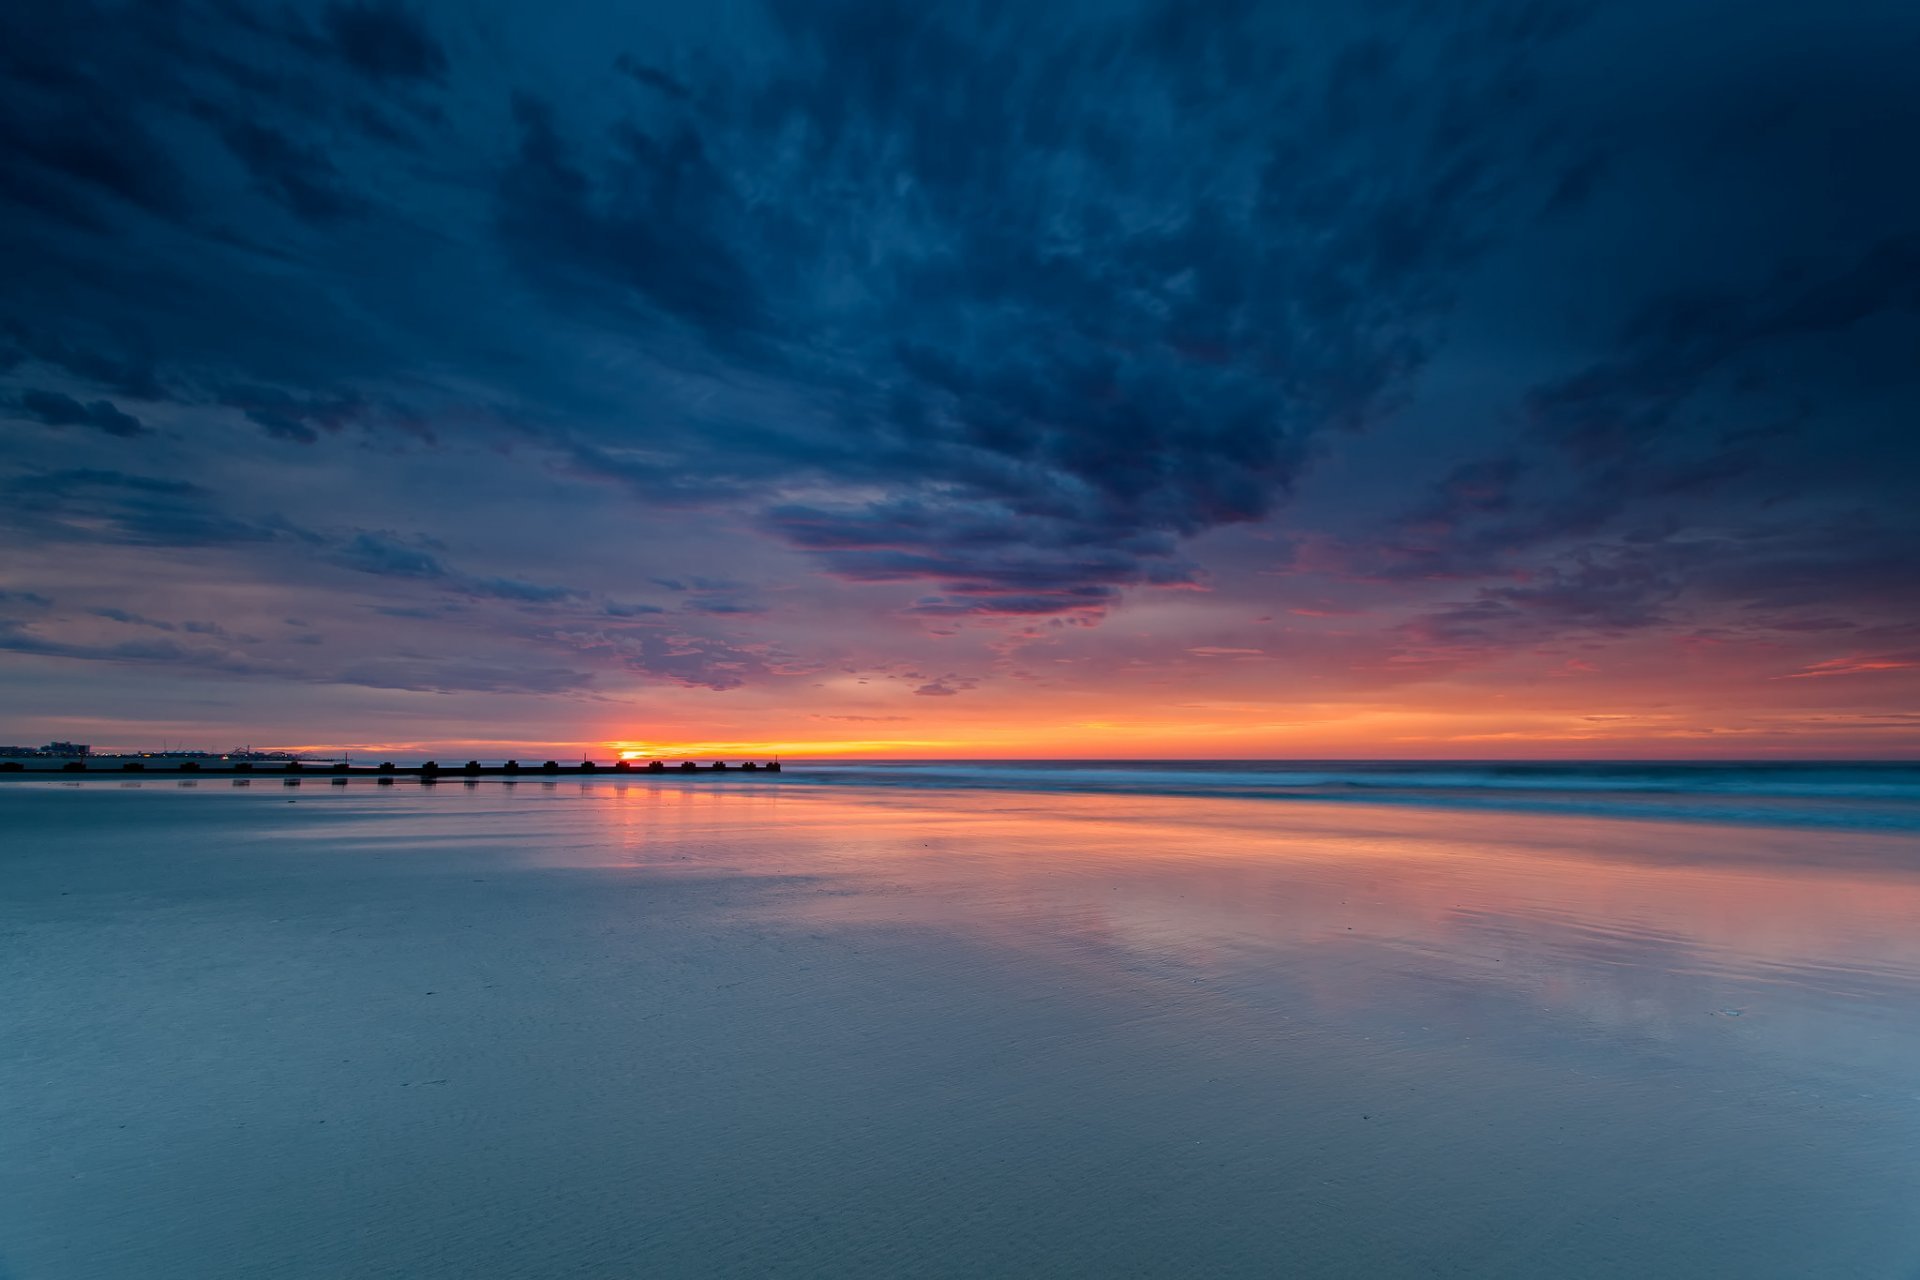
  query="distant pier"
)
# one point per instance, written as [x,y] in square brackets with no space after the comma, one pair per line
[431,771]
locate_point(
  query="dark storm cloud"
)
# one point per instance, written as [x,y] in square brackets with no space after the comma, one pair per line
[981,249]
[652,77]
[290,417]
[385,40]
[667,233]
[58,410]
[1715,412]
[103,506]
[387,556]
[1678,345]
[1765,368]
[1004,309]
[970,259]
[296,175]
[1058,565]
[131,376]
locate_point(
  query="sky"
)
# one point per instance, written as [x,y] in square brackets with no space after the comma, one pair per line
[1197,378]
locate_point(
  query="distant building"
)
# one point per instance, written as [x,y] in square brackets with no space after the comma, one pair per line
[53,750]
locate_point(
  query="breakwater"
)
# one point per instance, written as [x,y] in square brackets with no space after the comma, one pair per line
[430,771]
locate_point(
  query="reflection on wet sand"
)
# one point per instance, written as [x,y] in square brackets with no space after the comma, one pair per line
[674,1031]
[1662,933]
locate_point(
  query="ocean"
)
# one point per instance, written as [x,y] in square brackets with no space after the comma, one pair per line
[1883,795]
[944,1019]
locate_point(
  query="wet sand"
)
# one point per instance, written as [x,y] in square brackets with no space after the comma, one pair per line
[587,1029]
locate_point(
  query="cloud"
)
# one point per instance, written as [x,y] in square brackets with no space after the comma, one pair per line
[725,608]
[969,313]
[1679,343]
[1018,299]
[453,674]
[296,175]
[946,686]
[389,557]
[674,656]
[415,673]
[1857,666]
[96,505]
[131,619]
[969,549]
[652,77]
[291,418]
[517,590]
[658,231]
[1044,332]
[57,410]
[384,40]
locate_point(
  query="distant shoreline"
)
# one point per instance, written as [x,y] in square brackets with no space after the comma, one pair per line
[426,772]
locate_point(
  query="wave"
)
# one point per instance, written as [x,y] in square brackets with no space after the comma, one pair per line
[1877,795]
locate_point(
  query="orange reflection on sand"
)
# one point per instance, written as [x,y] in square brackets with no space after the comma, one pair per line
[1652,929]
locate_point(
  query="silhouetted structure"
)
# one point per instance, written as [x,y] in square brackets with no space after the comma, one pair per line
[386,770]
[53,750]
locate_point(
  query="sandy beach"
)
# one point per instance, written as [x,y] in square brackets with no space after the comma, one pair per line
[589,1029]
